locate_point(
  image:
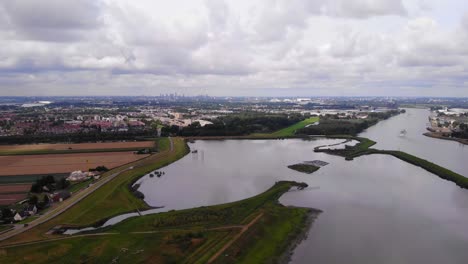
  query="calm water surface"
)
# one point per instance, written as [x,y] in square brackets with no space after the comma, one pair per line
[376,209]
[449,154]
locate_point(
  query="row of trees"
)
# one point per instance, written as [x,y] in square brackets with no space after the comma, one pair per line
[49,183]
[237,125]
[331,125]
[463,133]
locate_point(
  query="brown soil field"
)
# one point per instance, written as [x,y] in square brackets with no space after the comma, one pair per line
[15,188]
[63,163]
[6,199]
[80,146]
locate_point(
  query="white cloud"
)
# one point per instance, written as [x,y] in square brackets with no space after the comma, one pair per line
[263,47]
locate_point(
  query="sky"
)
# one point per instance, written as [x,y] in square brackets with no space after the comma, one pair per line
[234,48]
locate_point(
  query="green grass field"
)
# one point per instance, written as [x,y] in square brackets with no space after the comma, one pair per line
[186,236]
[288,131]
[162,144]
[28,220]
[291,130]
[79,185]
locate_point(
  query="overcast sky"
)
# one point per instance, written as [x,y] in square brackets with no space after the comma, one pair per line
[216,47]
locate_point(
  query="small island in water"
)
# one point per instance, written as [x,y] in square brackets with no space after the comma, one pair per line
[308,166]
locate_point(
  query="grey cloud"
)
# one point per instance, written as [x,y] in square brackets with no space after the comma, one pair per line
[368,8]
[306,46]
[52,20]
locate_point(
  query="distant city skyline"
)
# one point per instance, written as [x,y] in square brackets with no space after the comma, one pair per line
[265,48]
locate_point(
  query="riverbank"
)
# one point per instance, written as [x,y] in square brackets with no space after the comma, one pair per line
[438,136]
[258,229]
[313,214]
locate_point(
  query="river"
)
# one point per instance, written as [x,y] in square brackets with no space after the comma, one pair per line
[376,209]
[450,154]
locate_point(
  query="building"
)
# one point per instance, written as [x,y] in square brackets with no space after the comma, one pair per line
[31,210]
[77,176]
[20,216]
[61,196]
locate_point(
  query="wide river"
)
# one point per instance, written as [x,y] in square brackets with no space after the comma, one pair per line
[376,209]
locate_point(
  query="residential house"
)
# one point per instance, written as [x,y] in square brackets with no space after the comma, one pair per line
[31,210]
[20,216]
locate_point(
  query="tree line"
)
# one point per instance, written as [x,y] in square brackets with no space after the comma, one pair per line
[237,125]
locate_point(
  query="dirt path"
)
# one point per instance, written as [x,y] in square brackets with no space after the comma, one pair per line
[56,239]
[244,228]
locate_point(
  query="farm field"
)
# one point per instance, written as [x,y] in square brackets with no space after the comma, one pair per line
[12,193]
[63,163]
[15,188]
[6,199]
[74,148]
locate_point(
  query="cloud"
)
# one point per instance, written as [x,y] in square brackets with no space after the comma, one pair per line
[243,47]
[51,20]
[367,8]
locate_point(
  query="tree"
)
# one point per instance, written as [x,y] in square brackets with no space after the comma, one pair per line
[33,200]
[62,183]
[36,188]
[46,200]
[6,213]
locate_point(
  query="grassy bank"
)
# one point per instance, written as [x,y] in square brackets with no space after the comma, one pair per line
[363,148]
[348,152]
[257,230]
[111,199]
[440,171]
[115,197]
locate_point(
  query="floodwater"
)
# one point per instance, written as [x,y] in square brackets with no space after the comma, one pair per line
[376,209]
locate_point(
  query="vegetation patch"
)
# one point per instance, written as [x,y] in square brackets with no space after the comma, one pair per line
[336,125]
[291,130]
[253,230]
[111,199]
[303,167]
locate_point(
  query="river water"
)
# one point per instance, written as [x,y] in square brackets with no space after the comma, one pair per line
[376,209]
[450,154]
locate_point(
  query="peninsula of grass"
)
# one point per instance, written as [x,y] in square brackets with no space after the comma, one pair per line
[305,168]
[254,230]
[363,148]
[288,131]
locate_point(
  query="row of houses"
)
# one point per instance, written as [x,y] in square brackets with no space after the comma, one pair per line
[32,210]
